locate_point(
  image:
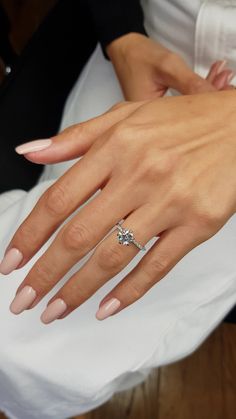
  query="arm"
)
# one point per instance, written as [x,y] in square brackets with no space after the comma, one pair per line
[114,19]
[145,69]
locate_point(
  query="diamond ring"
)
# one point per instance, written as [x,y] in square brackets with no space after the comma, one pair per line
[126,237]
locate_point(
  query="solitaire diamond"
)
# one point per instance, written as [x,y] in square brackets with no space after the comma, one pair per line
[125,237]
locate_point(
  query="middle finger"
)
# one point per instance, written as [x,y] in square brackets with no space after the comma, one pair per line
[109,258]
[73,242]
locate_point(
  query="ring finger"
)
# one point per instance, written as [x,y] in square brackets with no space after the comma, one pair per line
[172,246]
[109,258]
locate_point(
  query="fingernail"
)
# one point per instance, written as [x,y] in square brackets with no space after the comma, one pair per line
[108,308]
[230,77]
[221,66]
[37,145]
[23,300]
[11,261]
[53,311]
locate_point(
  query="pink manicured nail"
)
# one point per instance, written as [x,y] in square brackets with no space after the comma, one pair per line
[53,311]
[230,77]
[23,300]
[108,308]
[221,66]
[11,261]
[37,145]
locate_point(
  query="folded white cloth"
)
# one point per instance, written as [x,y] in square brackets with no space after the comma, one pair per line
[74,365]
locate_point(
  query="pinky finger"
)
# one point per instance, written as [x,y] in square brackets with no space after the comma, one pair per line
[222,80]
[172,246]
[216,68]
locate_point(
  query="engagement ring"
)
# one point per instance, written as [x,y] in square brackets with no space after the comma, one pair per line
[126,237]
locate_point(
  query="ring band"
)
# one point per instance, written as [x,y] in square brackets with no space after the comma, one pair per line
[126,237]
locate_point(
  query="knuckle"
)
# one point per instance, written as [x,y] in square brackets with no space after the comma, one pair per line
[76,236]
[156,268]
[196,84]
[116,136]
[111,258]
[121,134]
[76,294]
[70,131]
[56,200]
[181,195]
[153,165]
[27,235]
[76,130]
[44,274]
[209,218]
[81,130]
[135,289]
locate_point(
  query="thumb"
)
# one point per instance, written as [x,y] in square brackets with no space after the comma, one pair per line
[76,140]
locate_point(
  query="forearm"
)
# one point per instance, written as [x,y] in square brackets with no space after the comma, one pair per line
[113,19]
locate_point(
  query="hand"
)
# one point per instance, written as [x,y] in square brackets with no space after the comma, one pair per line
[146,69]
[162,170]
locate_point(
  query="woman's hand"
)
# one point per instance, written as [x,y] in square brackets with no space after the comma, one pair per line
[167,168]
[146,69]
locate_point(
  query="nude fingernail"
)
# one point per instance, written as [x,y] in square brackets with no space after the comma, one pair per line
[108,308]
[53,311]
[33,146]
[23,300]
[11,261]
[221,66]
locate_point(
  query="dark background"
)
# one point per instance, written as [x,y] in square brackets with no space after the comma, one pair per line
[43,44]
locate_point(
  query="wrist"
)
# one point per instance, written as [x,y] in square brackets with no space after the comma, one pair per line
[123,44]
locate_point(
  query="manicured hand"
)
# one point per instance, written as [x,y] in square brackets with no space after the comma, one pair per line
[161,168]
[146,69]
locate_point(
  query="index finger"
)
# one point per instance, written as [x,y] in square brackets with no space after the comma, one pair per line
[76,140]
[75,187]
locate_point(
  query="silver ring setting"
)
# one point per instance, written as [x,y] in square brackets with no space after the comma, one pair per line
[126,237]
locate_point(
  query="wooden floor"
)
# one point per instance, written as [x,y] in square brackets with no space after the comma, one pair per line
[202,386]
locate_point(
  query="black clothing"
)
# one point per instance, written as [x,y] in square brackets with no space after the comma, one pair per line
[6,51]
[33,95]
[113,19]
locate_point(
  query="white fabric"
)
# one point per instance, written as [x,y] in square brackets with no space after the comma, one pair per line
[74,365]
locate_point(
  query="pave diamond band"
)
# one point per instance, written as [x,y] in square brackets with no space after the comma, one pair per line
[126,237]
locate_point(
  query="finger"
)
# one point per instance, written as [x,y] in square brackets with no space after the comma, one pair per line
[230,87]
[76,140]
[109,258]
[220,76]
[216,68]
[75,187]
[179,76]
[173,245]
[75,240]
[222,80]
[193,84]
